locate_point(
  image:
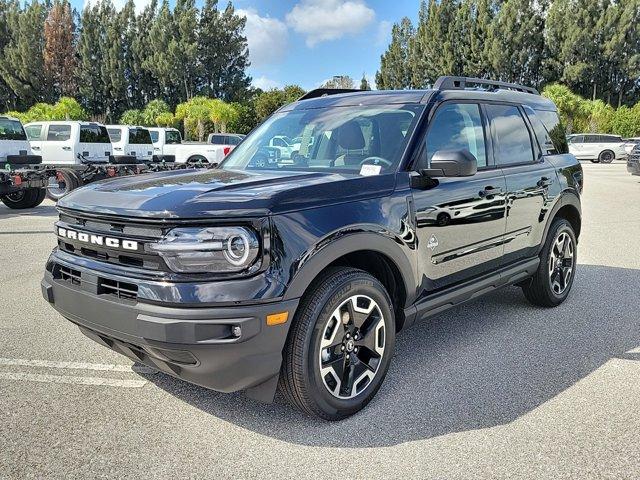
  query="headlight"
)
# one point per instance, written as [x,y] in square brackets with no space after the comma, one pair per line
[208,250]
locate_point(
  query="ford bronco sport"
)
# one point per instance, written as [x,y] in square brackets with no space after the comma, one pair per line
[397,206]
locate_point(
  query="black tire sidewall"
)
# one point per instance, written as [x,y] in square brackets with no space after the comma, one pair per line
[557,228]
[72,181]
[325,401]
[601,160]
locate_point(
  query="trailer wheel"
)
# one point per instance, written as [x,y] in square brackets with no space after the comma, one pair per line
[27,198]
[62,183]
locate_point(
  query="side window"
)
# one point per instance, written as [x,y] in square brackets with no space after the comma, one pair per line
[457,126]
[115,134]
[512,142]
[542,135]
[155,136]
[59,133]
[94,134]
[33,132]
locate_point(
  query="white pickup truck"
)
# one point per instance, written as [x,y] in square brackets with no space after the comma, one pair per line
[168,147]
[130,142]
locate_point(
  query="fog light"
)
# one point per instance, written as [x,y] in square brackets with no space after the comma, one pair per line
[236,331]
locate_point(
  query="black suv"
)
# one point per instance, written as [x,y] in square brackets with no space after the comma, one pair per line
[395,206]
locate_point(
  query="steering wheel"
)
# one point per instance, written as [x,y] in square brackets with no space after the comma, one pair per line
[376,161]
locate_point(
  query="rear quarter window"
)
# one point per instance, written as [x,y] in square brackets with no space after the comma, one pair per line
[556,129]
[542,135]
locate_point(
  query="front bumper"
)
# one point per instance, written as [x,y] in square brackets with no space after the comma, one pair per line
[196,344]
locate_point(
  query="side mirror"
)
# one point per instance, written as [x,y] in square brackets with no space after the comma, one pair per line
[452,163]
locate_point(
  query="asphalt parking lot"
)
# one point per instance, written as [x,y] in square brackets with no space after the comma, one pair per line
[493,389]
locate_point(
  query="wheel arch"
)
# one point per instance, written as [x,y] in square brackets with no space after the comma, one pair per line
[373,253]
[568,207]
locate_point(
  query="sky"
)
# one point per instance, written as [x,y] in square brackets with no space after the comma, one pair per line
[306,42]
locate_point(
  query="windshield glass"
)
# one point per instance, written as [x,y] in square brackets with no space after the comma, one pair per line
[139,136]
[172,137]
[338,139]
[11,130]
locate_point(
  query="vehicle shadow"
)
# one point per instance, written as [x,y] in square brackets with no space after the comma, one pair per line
[39,211]
[484,364]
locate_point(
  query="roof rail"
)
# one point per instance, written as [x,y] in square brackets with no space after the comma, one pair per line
[324,92]
[461,83]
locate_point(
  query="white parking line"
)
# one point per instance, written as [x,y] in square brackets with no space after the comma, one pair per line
[107,382]
[66,365]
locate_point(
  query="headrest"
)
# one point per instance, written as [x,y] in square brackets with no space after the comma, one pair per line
[349,136]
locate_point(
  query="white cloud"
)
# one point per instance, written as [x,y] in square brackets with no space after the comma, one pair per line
[267,37]
[119,4]
[383,36]
[265,83]
[322,20]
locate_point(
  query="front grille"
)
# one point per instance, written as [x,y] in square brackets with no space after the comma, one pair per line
[125,231]
[121,290]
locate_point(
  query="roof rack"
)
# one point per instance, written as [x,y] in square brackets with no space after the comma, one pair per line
[324,92]
[461,83]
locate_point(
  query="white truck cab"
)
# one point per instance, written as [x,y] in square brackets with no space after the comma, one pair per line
[69,142]
[168,146]
[13,140]
[131,141]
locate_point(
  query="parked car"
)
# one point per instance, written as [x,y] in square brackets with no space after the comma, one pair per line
[633,162]
[18,190]
[169,147]
[285,145]
[231,139]
[130,143]
[596,147]
[630,144]
[69,143]
[253,276]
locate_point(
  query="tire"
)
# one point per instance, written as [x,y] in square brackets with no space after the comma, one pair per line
[542,290]
[317,330]
[606,156]
[196,159]
[595,160]
[27,198]
[59,187]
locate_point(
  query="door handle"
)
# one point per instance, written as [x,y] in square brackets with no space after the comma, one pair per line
[35,148]
[66,148]
[544,182]
[490,191]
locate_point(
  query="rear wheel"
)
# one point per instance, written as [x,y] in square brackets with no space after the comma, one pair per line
[606,156]
[197,160]
[552,282]
[62,183]
[27,198]
[340,345]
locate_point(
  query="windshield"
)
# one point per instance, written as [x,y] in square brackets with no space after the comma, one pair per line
[337,139]
[11,130]
[139,136]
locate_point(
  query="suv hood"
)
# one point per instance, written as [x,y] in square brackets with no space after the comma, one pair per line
[189,194]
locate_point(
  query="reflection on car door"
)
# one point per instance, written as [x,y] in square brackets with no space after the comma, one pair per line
[531,179]
[461,221]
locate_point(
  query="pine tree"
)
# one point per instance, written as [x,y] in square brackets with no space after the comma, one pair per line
[222,49]
[7,97]
[339,81]
[147,87]
[91,55]
[22,66]
[364,83]
[183,49]
[395,70]
[59,49]
[160,61]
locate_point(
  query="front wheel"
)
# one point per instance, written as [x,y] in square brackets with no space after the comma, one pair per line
[340,345]
[553,280]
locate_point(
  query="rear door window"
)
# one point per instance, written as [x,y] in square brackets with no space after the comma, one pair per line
[172,137]
[59,133]
[33,132]
[11,130]
[94,134]
[115,134]
[511,139]
[457,126]
[139,136]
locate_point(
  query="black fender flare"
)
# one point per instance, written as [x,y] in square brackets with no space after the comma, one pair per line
[317,259]
[568,197]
